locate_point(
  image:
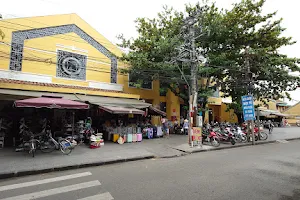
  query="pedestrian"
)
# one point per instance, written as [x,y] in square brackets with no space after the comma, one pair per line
[270,126]
[181,121]
[186,126]
[165,130]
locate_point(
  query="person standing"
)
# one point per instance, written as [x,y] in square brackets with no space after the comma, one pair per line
[164,126]
[186,126]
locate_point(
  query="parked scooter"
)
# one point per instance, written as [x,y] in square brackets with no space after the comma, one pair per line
[240,136]
[225,135]
[211,137]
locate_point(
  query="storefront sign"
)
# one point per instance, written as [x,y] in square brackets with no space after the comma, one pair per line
[248,107]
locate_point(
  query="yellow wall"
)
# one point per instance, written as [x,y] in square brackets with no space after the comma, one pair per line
[229,116]
[173,104]
[45,48]
[271,105]
[152,95]
[294,110]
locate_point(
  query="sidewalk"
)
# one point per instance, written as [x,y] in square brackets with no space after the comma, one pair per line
[21,163]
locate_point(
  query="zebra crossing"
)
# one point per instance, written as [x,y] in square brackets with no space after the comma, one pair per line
[74,188]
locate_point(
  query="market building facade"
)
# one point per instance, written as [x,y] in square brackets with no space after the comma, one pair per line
[64,54]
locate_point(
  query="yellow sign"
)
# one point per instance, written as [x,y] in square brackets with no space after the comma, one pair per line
[197,134]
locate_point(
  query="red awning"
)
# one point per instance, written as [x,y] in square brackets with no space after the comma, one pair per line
[51,102]
[158,111]
[122,110]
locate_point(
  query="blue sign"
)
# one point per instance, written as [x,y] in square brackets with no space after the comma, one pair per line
[248,108]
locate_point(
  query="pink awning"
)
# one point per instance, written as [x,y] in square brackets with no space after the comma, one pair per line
[51,102]
[122,110]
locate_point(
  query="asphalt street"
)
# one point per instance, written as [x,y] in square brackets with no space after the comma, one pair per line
[264,172]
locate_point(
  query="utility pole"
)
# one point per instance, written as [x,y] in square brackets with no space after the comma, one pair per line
[249,80]
[188,54]
[193,104]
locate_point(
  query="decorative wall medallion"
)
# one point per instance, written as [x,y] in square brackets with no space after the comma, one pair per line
[71,65]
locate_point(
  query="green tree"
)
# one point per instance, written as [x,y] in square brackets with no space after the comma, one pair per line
[153,54]
[222,36]
[245,27]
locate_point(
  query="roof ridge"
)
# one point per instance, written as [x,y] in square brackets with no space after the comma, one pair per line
[291,107]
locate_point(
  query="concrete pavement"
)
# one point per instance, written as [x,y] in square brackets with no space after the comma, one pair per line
[18,164]
[264,172]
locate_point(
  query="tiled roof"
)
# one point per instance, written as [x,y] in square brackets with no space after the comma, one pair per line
[4,80]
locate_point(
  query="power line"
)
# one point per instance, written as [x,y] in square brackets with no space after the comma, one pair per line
[110,44]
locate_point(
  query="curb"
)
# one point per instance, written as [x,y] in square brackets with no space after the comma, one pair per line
[235,146]
[64,168]
[174,156]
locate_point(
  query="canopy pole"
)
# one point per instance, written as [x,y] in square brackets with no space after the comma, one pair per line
[73,123]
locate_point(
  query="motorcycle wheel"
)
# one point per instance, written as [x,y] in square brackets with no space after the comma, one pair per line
[215,141]
[32,148]
[243,138]
[232,141]
[263,136]
[65,147]
[47,146]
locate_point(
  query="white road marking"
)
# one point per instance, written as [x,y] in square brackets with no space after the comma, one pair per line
[45,193]
[39,182]
[282,141]
[104,196]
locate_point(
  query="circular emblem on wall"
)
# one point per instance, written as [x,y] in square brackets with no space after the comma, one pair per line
[71,66]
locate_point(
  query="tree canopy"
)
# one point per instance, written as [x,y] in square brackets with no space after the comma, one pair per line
[227,39]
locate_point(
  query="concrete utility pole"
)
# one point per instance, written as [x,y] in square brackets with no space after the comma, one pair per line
[249,80]
[188,54]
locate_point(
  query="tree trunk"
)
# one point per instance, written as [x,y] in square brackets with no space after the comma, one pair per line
[240,117]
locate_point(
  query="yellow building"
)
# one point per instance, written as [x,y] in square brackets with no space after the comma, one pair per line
[64,54]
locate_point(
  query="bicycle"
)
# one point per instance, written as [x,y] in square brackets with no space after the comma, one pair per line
[46,143]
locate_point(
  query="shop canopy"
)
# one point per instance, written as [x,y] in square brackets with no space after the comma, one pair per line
[97,100]
[113,102]
[51,102]
[122,110]
[265,112]
[160,112]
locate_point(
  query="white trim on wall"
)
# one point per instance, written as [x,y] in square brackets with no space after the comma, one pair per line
[23,76]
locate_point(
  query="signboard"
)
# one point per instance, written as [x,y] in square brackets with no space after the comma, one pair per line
[197,134]
[248,107]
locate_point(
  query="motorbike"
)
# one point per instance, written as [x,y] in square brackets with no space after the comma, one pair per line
[240,136]
[211,137]
[261,134]
[225,135]
[178,130]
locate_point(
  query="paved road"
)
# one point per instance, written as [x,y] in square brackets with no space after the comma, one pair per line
[285,133]
[264,172]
